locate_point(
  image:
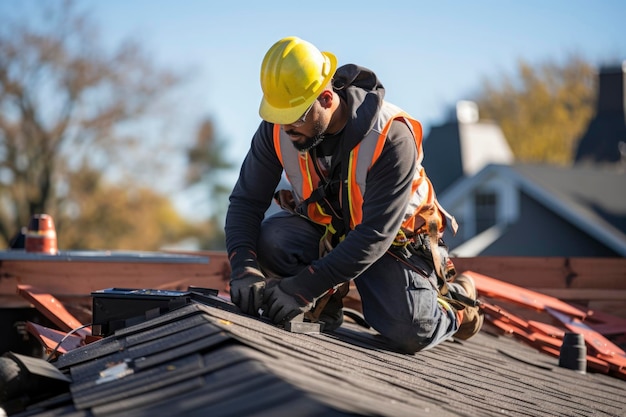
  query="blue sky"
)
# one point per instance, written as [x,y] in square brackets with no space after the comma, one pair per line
[428,55]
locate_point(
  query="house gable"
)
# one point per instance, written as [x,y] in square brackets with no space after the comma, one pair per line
[540,231]
[522,192]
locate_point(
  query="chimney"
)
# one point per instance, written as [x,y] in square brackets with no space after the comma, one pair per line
[606,134]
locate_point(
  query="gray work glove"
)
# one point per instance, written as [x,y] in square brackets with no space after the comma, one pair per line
[247,282]
[246,291]
[282,305]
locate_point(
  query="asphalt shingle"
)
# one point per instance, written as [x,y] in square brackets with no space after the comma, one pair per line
[200,359]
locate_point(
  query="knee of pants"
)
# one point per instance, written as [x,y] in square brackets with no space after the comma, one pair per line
[275,253]
[419,334]
[286,244]
[271,245]
[411,338]
[402,307]
[409,332]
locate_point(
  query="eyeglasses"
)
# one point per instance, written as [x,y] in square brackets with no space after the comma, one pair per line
[302,120]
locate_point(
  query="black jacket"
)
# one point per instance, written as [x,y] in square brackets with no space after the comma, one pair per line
[387,193]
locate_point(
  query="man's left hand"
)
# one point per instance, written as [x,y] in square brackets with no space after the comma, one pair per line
[283,306]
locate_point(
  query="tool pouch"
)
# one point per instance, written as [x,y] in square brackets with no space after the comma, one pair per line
[420,246]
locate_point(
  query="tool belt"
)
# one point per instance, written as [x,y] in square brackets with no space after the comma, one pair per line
[421,244]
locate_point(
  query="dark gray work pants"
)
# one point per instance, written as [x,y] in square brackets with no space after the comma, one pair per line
[400,303]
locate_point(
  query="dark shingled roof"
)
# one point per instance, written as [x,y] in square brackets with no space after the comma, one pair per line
[596,193]
[201,360]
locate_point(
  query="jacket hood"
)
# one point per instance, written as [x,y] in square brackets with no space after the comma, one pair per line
[366,87]
[357,76]
[364,93]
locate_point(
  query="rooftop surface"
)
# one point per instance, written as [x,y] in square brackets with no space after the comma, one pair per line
[203,360]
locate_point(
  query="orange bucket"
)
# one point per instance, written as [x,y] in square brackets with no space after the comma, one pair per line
[41,236]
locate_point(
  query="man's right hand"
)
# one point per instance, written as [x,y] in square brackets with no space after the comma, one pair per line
[246,290]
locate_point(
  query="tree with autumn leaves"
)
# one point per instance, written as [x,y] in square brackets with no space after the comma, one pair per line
[543,110]
[68,112]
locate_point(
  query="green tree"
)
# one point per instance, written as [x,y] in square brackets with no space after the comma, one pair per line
[543,109]
[67,103]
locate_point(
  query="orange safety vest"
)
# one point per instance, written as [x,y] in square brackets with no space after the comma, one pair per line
[304,180]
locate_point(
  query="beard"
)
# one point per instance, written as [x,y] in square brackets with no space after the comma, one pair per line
[309,143]
[312,141]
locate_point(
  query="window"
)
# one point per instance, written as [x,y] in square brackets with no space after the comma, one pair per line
[485,208]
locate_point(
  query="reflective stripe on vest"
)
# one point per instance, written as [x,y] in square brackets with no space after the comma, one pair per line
[303,178]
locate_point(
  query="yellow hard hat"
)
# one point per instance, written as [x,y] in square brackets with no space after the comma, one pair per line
[293,74]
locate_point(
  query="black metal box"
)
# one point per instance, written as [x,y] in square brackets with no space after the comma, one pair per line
[116,308]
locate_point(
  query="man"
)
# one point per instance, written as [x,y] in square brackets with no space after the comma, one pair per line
[361,207]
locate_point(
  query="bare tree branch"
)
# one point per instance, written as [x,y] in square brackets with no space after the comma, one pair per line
[62,100]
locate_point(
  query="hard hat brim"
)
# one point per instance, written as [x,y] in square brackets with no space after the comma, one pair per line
[285,116]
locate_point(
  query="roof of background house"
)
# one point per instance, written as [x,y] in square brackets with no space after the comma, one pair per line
[201,360]
[597,194]
[593,199]
[463,146]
